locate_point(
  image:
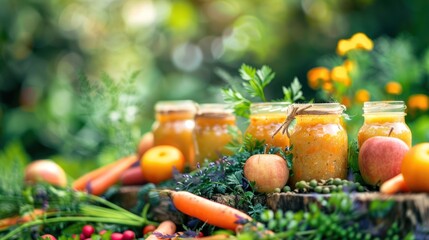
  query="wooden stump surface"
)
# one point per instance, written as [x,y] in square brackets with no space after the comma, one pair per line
[409,210]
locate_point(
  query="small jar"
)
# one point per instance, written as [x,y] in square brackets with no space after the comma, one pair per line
[319,142]
[265,121]
[212,134]
[384,118]
[174,126]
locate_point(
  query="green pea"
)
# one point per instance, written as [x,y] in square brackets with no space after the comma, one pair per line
[313,183]
[318,189]
[286,189]
[337,181]
[325,190]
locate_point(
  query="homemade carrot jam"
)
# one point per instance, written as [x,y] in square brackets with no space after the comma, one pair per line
[319,142]
[212,134]
[384,118]
[174,126]
[265,120]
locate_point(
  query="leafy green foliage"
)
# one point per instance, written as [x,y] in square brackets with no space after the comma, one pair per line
[338,217]
[254,81]
[293,93]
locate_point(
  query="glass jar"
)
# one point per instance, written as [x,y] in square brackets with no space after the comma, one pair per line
[265,120]
[174,126]
[319,142]
[384,118]
[211,131]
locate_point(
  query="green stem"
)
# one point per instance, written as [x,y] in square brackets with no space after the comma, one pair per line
[113,206]
[70,219]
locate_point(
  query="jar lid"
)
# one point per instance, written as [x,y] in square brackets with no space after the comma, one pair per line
[176,106]
[269,107]
[317,109]
[214,109]
[384,107]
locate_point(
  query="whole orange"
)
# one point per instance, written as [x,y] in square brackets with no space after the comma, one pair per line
[158,163]
[415,168]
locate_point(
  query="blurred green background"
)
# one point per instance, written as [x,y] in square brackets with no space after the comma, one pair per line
[79,79]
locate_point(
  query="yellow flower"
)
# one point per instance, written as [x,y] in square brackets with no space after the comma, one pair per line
[317,75]
[339,74]
[418,102]
[393,88]
[362,95]
[362,41]
[343,46]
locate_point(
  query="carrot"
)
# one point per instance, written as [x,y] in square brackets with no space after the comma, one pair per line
[81,183]
[10,221]
[212,237]
[100,184]
[165,228]
[394,185]
[132,176]
[213,213]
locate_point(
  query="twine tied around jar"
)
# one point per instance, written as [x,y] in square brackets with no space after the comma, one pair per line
[296,110]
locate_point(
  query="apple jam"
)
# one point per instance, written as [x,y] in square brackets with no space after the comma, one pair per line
[319,142]
[174,126]
[384,118]
[265,120]
[212,123]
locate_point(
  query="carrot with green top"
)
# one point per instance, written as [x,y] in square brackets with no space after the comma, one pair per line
[213,213]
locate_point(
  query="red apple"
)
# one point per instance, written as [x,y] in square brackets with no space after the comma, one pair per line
[268,171]
[380,158]
[45,171]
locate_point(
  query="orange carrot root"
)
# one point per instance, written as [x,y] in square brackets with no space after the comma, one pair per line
[213,213]
[100,184]
[165,227]
[394,185]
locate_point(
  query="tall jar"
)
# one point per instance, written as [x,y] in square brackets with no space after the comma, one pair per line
[384,118]
[265,120]
[212,134]
[319,142]
[174,126]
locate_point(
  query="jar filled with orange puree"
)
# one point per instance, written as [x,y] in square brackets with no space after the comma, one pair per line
[213,125]
[319,142]
[174,125]
[384,118]
[265,120]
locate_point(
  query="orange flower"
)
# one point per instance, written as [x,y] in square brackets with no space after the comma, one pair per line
[349,65]
[317,75]
[393,88]
[362,41]
[343,46]
[362,95]
[418,102]
[346,101]
[328,87]
[339,74]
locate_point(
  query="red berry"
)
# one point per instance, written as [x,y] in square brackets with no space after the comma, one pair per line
[200,235]
[116,236]
[148,228]
[88,230]
[128,235]
[82,236]
[48,237]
